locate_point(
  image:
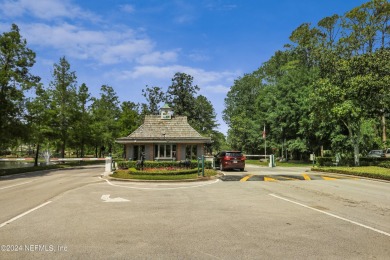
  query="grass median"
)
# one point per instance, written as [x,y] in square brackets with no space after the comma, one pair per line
[364,171]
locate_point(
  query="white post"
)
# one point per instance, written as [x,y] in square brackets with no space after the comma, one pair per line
[271,160]
[47,157]
[108,168]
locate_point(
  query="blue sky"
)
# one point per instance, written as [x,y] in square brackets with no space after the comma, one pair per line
[131,44]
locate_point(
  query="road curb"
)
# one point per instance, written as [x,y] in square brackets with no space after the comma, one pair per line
[161,181]
[352,176]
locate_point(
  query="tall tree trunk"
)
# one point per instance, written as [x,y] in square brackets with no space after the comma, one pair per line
[355,138]
[82,148]
[63,149]
[356,152]
[383,122]
[36,155]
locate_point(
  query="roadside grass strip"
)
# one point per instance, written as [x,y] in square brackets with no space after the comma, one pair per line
[374,172]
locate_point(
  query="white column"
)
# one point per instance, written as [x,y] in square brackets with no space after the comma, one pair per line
[108,168]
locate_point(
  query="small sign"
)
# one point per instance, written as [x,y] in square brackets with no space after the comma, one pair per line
[166,116]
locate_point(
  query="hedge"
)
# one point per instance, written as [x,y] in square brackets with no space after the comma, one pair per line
[134,171]
[161,164]
[364,161]
[370,172]
[385,164]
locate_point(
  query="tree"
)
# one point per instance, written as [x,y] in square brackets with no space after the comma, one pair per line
[81,130]
[38,119]
[181,94]
[129,118]
[154,96]
[105,113]
[241,114]
[364,22]
[328,87]
[16,60]
[63,102]
[204,118]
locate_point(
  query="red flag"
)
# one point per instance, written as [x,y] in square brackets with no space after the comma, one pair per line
[264,133]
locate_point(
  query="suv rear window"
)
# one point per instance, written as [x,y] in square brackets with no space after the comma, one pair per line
[234,154]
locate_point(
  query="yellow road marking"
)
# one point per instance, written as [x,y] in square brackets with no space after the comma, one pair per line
[246,178]
[328,178]
[306,177]
[269,179]
[288,178]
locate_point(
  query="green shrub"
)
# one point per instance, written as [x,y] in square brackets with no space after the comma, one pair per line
[385,164]
[367,171]
[142,175]
[324,161]
[161,171]
[161,164]
[348,161]
[372,161]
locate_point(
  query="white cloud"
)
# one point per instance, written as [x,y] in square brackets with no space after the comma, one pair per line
[218,6]
[105,47]
[218,89]
[201,77]
[44,9]
[157,57]
[198,56]
[127,8]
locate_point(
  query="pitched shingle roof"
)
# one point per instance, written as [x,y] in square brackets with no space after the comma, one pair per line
[156,129]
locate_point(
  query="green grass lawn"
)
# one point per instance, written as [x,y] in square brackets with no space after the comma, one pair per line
[364,171]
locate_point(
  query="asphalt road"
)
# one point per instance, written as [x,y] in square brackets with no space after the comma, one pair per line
[264,213]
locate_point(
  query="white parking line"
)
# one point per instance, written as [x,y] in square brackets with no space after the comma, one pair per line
[333,215]
[23,214]
[3,188]
[168,188]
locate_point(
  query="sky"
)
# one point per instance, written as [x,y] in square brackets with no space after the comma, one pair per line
[129,45]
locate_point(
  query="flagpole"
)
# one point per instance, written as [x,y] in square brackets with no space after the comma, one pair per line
[265,143]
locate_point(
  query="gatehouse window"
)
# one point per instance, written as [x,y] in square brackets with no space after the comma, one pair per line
[165,151]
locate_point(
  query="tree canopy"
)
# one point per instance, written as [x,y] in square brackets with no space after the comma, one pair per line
[329,87]
[63,117]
